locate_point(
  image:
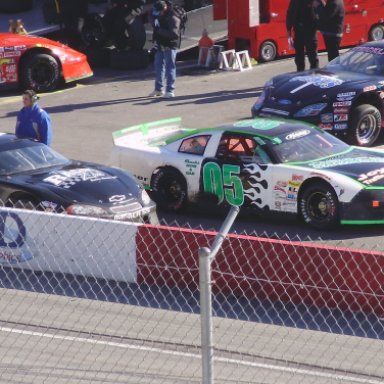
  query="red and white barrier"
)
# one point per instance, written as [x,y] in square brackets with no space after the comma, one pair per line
[318,275]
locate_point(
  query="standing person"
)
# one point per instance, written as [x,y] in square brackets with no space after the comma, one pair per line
[32,121]
[166,35]
[301,23]
[331,21]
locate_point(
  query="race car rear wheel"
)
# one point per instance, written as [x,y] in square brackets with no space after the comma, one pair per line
[319,206]
[41,72]
[376,33]
[169,189]
[268,51]
[365,127]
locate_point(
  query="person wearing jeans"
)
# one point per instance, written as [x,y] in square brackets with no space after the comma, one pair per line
[166,35]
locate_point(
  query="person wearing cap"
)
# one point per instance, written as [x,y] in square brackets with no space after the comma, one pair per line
[166,35]
[32,121]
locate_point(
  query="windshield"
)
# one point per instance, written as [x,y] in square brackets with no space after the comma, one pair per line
[364,60]
[29,158]
[307,145]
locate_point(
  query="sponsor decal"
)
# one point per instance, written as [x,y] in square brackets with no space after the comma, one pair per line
[346,94]
[191,166]
[340,127]
[67,179]
[320,81]
[346,161]
[13,238]
[297,177]
[326,127]
[343,117]
[117,198]
[263,125]
[282,184]
[326,118]
[298,134]
[372,176]
[346,98]
[342,103]
[284,102]
[275,111]
[294,184]
[369,88]
[341,110]
[373,50]
[133,215]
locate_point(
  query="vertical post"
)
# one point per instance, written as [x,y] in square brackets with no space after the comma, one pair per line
[206,256]
[206,315]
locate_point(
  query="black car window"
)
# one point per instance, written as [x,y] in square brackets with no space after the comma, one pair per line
[194,145]
[362,59]
[29,158]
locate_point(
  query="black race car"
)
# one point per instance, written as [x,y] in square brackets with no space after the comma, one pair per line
[32,175]
[345,98]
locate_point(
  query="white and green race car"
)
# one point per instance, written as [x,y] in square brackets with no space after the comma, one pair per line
[260,164]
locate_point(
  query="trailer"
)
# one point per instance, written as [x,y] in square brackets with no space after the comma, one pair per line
[259,25]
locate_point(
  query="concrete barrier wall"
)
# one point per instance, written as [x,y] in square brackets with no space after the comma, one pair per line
[255,267]
[47,242]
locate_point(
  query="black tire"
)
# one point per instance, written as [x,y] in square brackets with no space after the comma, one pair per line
[169,189]
[14,6]
[268,51]
[98,57]
[376,33]
[365,125]
[130,60]
[319,206]
[93,32]
[41,72]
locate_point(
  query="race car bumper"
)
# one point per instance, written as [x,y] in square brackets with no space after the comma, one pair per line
[76,68]
[366,208]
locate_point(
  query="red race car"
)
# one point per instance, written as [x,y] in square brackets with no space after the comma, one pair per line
[37,63]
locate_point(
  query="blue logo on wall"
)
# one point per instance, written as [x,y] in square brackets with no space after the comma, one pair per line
[13,236]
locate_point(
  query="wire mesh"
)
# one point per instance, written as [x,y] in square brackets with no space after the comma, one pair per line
[90,300]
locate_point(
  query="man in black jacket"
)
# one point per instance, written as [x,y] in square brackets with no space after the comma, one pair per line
[301,24]
[166,35]
[331,20]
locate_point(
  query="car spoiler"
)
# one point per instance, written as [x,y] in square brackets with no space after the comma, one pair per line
[144,133]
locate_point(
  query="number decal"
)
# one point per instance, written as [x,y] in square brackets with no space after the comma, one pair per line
[225,183]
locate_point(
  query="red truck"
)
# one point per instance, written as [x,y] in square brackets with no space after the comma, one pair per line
[259,25]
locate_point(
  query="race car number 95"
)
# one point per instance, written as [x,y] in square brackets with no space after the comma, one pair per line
[224,182]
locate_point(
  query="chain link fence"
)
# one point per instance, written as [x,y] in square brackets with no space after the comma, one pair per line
[94,301]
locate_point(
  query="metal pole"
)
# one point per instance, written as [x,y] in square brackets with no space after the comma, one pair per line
[206,315]
[206,256]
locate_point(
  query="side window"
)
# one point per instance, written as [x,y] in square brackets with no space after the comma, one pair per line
[236,147]
[194,145]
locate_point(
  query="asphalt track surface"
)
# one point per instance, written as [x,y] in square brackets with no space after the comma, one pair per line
[57,339]
[86,114]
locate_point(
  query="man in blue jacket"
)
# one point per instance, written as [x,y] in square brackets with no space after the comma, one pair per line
[32,121]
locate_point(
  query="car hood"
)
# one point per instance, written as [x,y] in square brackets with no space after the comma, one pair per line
[364,166]
[84,183]
[319,85]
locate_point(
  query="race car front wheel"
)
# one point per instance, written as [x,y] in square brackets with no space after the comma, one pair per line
[319,206]
[365,125]
[169,189]
[41,72]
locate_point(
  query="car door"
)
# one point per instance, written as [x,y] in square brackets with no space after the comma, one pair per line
[239,174]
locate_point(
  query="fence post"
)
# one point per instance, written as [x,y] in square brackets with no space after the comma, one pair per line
[206,256]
